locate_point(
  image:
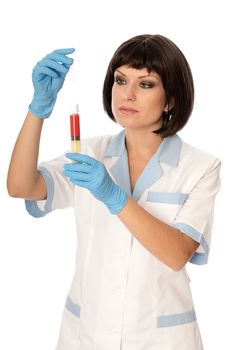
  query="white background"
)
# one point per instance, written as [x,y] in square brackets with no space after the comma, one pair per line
[37,255]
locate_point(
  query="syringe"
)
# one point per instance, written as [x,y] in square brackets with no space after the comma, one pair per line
[75,131]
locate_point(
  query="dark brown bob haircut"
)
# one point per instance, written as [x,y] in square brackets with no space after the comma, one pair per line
[160,55]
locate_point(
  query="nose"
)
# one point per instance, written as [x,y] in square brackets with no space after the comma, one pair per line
[128,93]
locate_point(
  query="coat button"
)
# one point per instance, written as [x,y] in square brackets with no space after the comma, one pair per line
[123,253]
[115,330]
[117,291]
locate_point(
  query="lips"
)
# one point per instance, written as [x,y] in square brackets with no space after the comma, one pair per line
[127,110]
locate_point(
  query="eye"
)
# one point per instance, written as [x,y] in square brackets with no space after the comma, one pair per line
[119,80]
[146,85]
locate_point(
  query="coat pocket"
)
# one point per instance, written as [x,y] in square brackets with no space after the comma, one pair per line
[167,197]
[165,205]
[70,327]
[177,319]
[179,331]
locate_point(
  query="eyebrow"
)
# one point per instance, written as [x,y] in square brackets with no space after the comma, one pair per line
[142,76]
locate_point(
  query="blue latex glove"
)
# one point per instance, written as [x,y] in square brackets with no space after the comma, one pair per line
[92,174]
[48,77]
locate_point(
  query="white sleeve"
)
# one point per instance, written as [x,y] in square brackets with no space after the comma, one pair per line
[60,191]
[196,216]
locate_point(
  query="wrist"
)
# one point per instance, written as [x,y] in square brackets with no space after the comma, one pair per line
[42,105]
[119,201]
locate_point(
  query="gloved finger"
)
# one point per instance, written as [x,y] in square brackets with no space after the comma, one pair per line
[54,65]
[66,51]
[81,158]
[59,58]
[39,70]
[79,167]
[66,65]
[73,175]
[80,183]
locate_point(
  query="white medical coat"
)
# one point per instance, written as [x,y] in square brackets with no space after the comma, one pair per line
[121,296]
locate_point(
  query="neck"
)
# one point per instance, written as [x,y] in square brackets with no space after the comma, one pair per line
[142,143]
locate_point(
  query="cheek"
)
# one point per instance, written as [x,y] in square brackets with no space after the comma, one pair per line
[158,102]
[156,105]
[114,99]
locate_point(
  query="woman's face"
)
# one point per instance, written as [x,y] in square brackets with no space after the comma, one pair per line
[138,98]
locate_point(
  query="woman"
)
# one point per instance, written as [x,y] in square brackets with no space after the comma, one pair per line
[143,200]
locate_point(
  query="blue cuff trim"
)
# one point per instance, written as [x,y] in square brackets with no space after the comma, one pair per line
[201,258]
[176,320]
[189,230]
[167,197]
[197,258]
[75,309]
[32,207]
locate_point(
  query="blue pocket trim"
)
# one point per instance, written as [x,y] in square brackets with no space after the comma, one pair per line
[176,320]
[75,309]
[167,197]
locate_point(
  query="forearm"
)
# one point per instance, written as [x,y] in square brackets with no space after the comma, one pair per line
[163,241]
[23,179]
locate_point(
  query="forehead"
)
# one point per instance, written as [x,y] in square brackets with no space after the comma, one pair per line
[136,73]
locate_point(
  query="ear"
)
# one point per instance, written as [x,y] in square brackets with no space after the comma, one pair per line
[169,105]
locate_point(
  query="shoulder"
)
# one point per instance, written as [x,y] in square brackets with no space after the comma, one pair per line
[192,156]
[195,165]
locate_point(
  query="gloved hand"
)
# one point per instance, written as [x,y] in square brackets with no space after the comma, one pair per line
[48,77]
[92,174]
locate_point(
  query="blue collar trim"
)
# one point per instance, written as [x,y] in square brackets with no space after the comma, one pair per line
[168,152]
